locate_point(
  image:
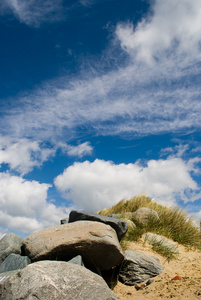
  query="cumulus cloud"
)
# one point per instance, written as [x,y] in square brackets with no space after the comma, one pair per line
[171,25]
[99,184]
[23,154]
[24,206]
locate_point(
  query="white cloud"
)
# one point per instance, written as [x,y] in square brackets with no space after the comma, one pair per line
[33,12]
[3,232]
[136,98]
[79,151]
[172,25]
[178,150]
[23,154]
[24,206]
[100,184]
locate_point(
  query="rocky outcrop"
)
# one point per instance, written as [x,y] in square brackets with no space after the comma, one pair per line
[138,267]
[143,215]
[63,257]
[96,242]
[153,239]
[118,225]
[14,262]
[50,280]
[10,243]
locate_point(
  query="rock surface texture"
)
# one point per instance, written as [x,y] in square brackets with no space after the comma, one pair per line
[10,243]
[14,262]
[143,214]
[96,242]
[138,267]
[6,275]
[50,280]
[119,225]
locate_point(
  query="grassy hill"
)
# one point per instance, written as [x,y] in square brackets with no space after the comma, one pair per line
[173,223]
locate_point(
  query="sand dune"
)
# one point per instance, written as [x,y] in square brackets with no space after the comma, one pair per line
[187,266]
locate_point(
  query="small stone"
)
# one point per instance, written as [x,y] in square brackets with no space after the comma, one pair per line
[77,260]
[177,277]
[149,282]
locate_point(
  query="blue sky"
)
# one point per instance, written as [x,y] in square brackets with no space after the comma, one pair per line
[99,101]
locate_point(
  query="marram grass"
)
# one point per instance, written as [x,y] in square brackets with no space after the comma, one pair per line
[173,224]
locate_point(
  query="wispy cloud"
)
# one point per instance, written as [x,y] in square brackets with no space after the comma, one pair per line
[36,12]
[156,90]
[33,12]
[79,151]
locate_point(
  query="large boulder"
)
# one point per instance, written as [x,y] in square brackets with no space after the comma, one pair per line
[138,267]
[119,226]
[96,242]
[143,215]
[54,280]
[14,262]
[156,239]
[10,243]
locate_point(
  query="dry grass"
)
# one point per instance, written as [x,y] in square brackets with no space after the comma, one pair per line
[173,224]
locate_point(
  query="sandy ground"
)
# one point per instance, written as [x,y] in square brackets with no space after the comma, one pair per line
[187,266]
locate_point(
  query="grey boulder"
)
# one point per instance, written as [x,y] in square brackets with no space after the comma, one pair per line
[77,260]
[138,267]
[143,214]
[54,280]
[156,239]
[118,225]
[14,262]
[10,243]
[96,242]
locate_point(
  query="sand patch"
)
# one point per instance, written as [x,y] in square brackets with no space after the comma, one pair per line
[187,265]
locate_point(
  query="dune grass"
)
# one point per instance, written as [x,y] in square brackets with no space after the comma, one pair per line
[173,223]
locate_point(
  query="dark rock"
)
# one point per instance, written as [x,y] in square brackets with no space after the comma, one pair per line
[64,221]
[126,217]
[14,262]
[138,267]
[96,242]
[54,280]
[143,214]
[10,243]
[118,225]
